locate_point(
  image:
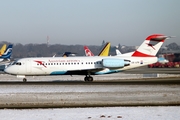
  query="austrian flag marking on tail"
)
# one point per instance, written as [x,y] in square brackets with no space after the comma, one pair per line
[150,46]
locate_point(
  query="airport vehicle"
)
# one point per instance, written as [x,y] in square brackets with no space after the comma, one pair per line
[104,51]
[144,55]
[2,50]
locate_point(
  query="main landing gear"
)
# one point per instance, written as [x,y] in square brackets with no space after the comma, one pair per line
[24,80]
[88,78]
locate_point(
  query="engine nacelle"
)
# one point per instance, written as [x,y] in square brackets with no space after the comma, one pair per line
[115,63]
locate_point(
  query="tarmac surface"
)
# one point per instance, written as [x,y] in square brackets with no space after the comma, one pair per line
[146,70]
[118,89]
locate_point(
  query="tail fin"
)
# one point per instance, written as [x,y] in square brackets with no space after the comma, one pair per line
[150,46]
[105,50]
[88,51]
[118,51]
[2,50]
[8,52]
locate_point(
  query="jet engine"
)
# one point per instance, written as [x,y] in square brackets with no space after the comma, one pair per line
[115,63]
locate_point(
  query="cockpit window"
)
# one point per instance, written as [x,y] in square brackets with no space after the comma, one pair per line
[18,63]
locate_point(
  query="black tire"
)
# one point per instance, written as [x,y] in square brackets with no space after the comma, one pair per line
[24,80]
[90,78]
[85,78]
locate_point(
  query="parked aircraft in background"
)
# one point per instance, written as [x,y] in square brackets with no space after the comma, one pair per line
[144,55]
[117,51]
[162,60]
[2,50]
[68,54]
[7,53]
[104,51]
[5,58]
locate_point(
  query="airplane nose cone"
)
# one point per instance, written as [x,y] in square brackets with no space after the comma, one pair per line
[7,70]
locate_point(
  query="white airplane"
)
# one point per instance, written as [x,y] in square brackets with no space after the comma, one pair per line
[144,55]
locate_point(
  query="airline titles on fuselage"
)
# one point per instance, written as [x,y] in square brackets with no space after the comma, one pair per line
[64,61]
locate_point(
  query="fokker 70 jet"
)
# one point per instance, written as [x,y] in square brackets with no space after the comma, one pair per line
[88,66]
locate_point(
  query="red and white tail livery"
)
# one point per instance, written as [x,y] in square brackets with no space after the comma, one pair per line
[150,46]
[88,51]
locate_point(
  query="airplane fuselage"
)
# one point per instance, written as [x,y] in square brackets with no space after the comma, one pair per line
[76,65]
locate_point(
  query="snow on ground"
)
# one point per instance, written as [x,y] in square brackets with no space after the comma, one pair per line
[106,113]
[99,113]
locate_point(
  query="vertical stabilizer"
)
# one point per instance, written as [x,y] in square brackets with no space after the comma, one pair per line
[2,50]
[105,50]
[88,51]
[150,46]
[8,52]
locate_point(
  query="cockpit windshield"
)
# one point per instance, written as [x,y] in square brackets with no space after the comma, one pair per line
[16,63]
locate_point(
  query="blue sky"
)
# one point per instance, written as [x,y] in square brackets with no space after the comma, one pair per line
[88,22]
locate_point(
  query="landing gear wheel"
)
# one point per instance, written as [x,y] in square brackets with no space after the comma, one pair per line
[24,80]
[88,78]
[85,78]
